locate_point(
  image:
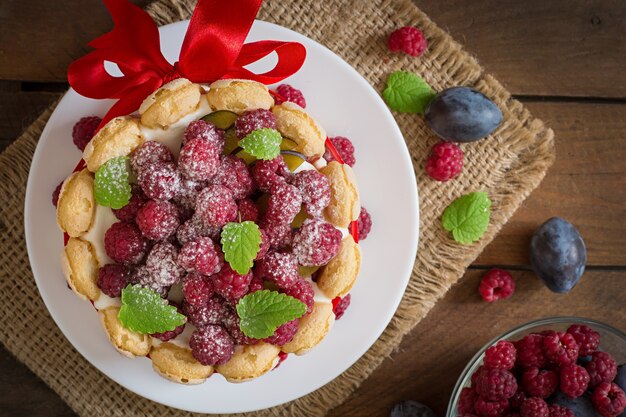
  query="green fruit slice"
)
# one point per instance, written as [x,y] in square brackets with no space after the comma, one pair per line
[223,119]
[307,271]
[288,144]
[248,159]
[292,161]
[299,219]
[231,141]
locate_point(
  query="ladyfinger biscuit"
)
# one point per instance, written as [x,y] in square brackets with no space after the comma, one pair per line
[239,96]
[311,329]
[80,267]
[127,342]
[345,205]
[119,137]
[338,276]
[249,362]
[177,364]
[295,123]
[77,205]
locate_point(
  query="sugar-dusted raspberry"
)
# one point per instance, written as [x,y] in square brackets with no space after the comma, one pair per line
[195,228]
[291,94]
[265,245]
[201,255]
[186,199]
[232,324]
[211,312]
[496,384]
[197,289]
[466,401]
[112,278]
[129,211]
[141,276]
[588,339]
[171,334]
[248,211]
[559,411]
[284,334]
[486,408]
[160,181]
[539,383]
[211,345]
[502,355]
[162,264]
[150,153]
[407,39]
[341,305]
[302,290]
[252,120]
[534,407]
[601,368]
[158,220]
[278,233]
[518,398]
[234,174]
[231,285]
[445,161]
[315,189]
[199,129]
[574,380]
[365,224]
[216,206]
[279,267]
[269,173]
[199,160]
[256,284]
[496,284]
[56,193]
[560,348]
[124,243]
[530,351]
[345,148]
[316,242]
[84,130]
[609,399]
[284,203]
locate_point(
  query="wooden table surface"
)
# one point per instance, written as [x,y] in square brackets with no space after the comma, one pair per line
[564,59]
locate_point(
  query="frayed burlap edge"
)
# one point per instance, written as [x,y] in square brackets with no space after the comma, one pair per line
[509,165]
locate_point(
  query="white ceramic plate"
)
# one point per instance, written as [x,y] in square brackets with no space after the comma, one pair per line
[345,104]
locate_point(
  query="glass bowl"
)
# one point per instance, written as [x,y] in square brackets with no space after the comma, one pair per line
[612,341]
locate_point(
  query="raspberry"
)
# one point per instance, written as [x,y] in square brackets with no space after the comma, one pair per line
[291,94]
[486,408]
[142,277]
[212,312]
[199,129]
[55,194]
[496,385]
[588,339]
[265,245]
[345,148]
[316,242]
[84,130]
[407,39]
[560,348]
[365,224]
[466,401]
[500,356]
[186,199]
[199,160]
[560,411]
[195,228]
[124,243]
[232,324]
[197,289]
[601,368]
[252,120]
[248,211]
[574,380]
[278,233]
[171,334]
[201,255]
[284,334]
[518,398]
[282,356]
[162,265]
[538,383]
[269,173]
[609,399]
[112,278]
[150,153]
[160,181]
[530,351]
[158,220]
[233,173]
[445,161]
[303,291]
[216,206]
[211,345]
[341,305]
[279,267]
[284,203]
[256,284]
[534,407]
[129,211]
[231,285]
[496,284]
[315,190]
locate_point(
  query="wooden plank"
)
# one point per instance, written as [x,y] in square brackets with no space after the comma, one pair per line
[18,110]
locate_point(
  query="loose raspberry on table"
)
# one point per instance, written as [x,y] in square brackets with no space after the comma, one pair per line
[248,210]
[560,348]
[195,228]
[171,334]
[112,278]
[231,285]
[84,130]
[530,351]
[409,40]
[269,173]
[129,211]
[502,355]
[150,153]
[496,384]
[253,120]
[534,407]
[160,181]
[199,129]
[315,189]
[124,243]
[197,289]
[609,399]
[341,305]
[496,284]
[284,203]
[278,233]
[216,206]
[539,383]
[231,322]
[199,160]
[284,334]
[486,408]
[344,147]
[201,255]
[588,339]
[56,193]
[559,411]
[233,173]
[601,368]
[265,245]
[316,242]
[280,268]
[445,161]
[466,401]
[365,223]
[162,264]
[158,220]
[574,380]
[291,94]
[211,312]
[302,290]
[211,345]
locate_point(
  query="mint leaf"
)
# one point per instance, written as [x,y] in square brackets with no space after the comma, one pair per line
[144,311]
[241,243]
[262,312]
[467,217]
[262,143]
[407,92]
[111,186]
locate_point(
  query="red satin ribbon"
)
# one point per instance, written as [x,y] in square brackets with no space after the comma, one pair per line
[213,49]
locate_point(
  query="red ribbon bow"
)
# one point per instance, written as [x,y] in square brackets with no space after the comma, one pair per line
[213,49]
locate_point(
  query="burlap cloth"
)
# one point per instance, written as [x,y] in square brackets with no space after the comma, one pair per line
[508,165]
